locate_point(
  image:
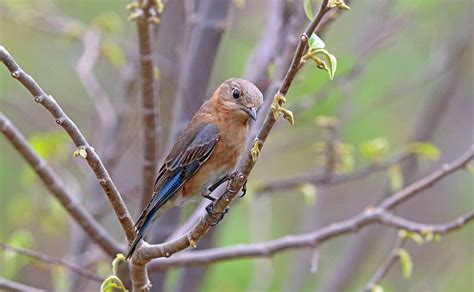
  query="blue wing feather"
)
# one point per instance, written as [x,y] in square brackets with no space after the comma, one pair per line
[184,160]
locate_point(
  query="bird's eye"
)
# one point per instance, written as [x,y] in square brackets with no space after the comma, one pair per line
[235,93]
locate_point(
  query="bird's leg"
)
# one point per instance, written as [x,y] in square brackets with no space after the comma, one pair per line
[207,194]
[212,213]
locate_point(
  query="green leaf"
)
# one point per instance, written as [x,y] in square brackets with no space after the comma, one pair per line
[374,149]
[308,9]
[309,193]
[426,149]
[113,282]
[396,178]
[406,263]
[331,60]
[315,42]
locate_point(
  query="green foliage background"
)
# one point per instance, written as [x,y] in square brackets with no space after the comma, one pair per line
[29,217]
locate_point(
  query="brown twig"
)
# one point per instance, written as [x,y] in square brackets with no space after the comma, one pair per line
[147,11]
[57,188]
[52,261]
[76,136]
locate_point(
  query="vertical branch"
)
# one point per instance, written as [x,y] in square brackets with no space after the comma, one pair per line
[199,60]
[148,12]
[385,267]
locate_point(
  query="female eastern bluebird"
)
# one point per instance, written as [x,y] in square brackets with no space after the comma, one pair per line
[205,152]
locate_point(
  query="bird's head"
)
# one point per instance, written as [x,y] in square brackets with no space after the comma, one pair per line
[240,97]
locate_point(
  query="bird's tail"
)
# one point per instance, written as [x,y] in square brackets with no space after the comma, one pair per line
[141,233]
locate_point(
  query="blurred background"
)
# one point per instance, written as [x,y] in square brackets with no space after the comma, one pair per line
[404,75]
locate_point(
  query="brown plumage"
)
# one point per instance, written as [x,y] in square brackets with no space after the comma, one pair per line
[207,150]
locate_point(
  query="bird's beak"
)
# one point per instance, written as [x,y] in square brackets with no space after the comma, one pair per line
[252,112]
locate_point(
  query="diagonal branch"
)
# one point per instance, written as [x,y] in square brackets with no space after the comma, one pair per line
[57,188]
[52,261]
[77,137]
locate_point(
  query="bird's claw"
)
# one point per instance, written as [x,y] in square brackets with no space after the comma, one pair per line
[212,213]
[244,189]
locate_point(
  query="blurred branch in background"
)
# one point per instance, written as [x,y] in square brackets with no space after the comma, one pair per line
[386,265]
[52,261]
[57,188]
[15,286]
[380,214]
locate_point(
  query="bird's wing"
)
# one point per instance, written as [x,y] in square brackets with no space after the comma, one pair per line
[192,149]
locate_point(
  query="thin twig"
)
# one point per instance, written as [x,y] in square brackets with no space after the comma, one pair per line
[77,137]
[52,261]
[320,179]
[386,265]
[9,285]
[57,188]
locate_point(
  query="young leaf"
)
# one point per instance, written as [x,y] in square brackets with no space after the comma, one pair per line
[331,59]
[308,9]
[316,42]
[374,149]
[428,150]
[405,262]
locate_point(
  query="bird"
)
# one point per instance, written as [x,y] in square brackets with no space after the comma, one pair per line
[204,154]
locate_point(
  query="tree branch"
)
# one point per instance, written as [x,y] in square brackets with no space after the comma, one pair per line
[77,137]
[307,240]
[147,11]
[52,261]
[57,188]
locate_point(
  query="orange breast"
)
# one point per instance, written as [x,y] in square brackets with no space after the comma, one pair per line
[233,137]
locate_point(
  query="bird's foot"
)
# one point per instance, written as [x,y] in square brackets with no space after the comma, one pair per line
[244,189]
[209,210]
